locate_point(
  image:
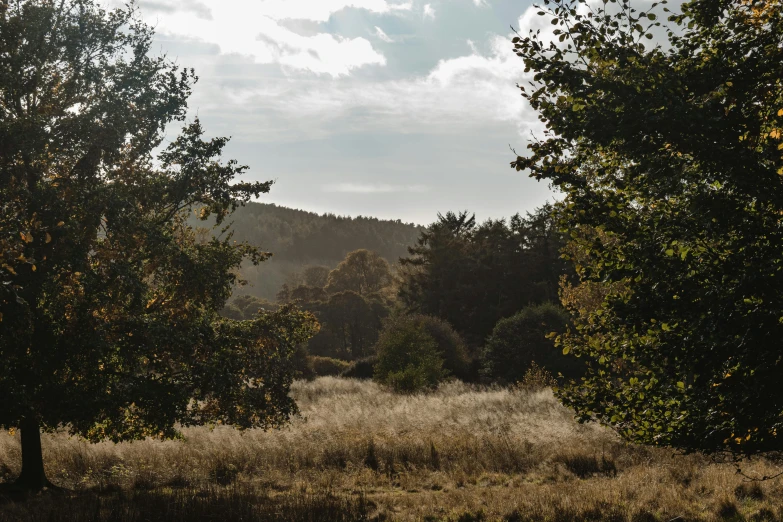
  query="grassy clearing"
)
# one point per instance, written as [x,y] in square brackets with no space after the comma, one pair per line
[361,453]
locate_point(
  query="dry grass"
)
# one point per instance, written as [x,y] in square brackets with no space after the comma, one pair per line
[361,453]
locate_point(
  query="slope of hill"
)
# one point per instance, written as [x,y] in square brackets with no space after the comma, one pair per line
[298,238]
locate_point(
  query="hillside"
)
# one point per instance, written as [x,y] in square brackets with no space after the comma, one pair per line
[298,238]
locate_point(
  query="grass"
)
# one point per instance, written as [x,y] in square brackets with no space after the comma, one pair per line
[359,452]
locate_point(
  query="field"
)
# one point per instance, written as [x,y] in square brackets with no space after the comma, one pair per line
[359,452]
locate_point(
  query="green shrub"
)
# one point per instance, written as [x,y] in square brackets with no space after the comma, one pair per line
[408,357]
[361,368]
[323,366]
[448,342]
[518,341]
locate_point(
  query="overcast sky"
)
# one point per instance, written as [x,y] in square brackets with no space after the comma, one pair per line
[389,108]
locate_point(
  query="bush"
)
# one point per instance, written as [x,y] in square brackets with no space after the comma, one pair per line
[327,366]
[361,368]
[448,342]
[408,357]
[518,341]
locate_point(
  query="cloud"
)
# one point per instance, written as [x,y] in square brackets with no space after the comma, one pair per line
[457,96]
[383,36]
[373,188]
[321,10]
[251,29]
[195,7]
[429,11]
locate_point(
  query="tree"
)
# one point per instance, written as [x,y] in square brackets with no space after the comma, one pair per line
[110,324]
[349,325]
[519,341]
[471,275]
[669,158]
[316,276]
[362,271]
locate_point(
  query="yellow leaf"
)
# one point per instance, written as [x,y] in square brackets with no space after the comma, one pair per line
[780,112]
[35,268]
[775,134]
[61,223]
[48,237]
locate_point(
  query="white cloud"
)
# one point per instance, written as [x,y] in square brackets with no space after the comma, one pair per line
[321,10]
[383,36]
[252,29]
[457,96]
[373,188]
[481,3]
[429,11]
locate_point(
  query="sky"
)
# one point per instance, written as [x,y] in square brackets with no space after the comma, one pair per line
[398,109]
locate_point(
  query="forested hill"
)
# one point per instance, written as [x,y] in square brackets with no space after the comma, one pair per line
[298,238]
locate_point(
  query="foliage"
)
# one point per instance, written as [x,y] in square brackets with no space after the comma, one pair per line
[350,324]
[449,344]
[670,161]
[315,276]
[249,306]
[472,275]
[325,366]
[110,321]
[361,368]
[362,271]
[536,378]
[408,357]
[521,340]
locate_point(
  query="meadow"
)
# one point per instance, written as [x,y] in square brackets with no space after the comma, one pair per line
[359,452]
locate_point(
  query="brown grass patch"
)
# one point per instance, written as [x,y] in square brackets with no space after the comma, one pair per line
[362,453]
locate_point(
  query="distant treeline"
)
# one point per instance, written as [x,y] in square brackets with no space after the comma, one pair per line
[298,239]
[471,300]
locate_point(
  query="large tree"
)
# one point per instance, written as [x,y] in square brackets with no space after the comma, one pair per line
[362,271]
[109,298]
[669,157]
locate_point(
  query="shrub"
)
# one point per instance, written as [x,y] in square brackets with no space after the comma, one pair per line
[325,366]
[536,378]
[361,368]
[518,341]
[408,357]
[449,344]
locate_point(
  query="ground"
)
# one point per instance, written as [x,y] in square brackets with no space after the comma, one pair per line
[359,452]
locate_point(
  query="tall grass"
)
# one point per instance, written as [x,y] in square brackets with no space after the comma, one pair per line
[361,453]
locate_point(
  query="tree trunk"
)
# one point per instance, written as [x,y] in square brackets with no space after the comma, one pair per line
[33,477]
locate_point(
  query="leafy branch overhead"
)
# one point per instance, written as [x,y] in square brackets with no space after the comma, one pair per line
[666,140]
